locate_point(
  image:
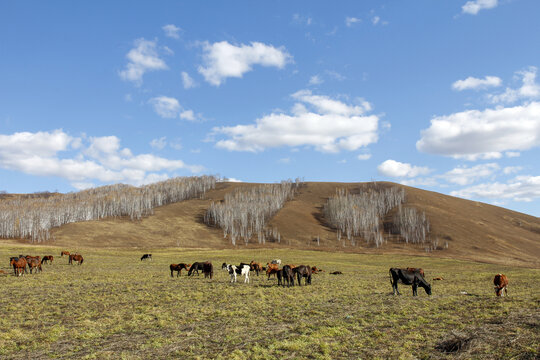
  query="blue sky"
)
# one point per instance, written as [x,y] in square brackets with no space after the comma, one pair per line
[440,95]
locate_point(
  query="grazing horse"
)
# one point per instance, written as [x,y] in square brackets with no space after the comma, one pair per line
[407,277]
[500,282]
[276,261]
[178,268]
[303,271]
[146,257]
[33,263]
[195,268]
[64,253]
[208,269]
[315,270]
[255,266]
[336,273]
[75,257]
[233,270]
[288,276]
[19,265]
[47,258]
[271,269]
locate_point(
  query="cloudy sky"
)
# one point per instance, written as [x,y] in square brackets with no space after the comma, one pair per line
[440,95]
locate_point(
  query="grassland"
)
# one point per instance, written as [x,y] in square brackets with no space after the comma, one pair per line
[115,306]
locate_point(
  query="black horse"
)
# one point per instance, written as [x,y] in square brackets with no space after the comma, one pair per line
[408,277]
[288,276]
[195,267]
[146,257]
[302,271]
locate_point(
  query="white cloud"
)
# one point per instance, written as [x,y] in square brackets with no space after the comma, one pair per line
[528,90]
[223,60]
[512,169]
[284,160]
[394,168]
[166,107]
[188,81]
[99,159]
[521,188]
[483,134]
[375,20]
[430,181]
[315,80]
[350,21]
[326,124]
[475,83]
[473,7]
[464,175]
[142,58]
[335,75]
[172,31]
[304,20]
[159,143]
[364,157]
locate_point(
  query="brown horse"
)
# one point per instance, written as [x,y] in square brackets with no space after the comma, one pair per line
[34,263]
[302,271]
[75,257]
[64,253]
[271,269]
[315,270]
[208,269]
[178,268]
[19,265]
[255,266]
[47,258]
[420,270]
[500,283]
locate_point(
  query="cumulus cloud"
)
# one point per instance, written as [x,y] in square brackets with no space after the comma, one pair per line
[99,159]
[528,90]
[364,157]
[375,20]
[521,188]
[350,21]
[473,7]
[476,84]
[166,107]
[142,58]
[187,81]
[172,31]
[159,143]
[315,80]
[464,175]
[222,59]
[327,124]
[394,168]
[475,134]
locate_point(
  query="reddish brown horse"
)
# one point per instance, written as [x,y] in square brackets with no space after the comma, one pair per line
[420,270]
[255,266]
[34,263]
[64,253]
[75,257]
[271,269]
[315,270]
[19,265]
[47,258]
[178,268]
[500,282]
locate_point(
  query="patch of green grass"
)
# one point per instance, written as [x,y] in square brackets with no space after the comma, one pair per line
[115,306]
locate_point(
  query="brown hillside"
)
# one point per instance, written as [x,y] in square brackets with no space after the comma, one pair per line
[473,230]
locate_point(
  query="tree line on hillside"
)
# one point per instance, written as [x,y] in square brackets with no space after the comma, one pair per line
[361,215]
[33,217]
[244,212]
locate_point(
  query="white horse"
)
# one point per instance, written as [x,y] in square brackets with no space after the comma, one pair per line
[233,270]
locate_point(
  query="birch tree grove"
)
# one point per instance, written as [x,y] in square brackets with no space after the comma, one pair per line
[245,211]
[361,214]
[33,217]
[413,226]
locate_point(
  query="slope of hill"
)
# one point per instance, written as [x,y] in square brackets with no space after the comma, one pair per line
[472,230]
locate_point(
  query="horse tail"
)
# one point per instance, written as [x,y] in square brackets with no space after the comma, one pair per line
[391,278]
[81,261]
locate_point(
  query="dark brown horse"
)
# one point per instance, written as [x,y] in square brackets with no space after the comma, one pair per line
[288,276]
[178,268]
[19,265]
[47,258]
[195,268]
[208,269]
[75,257]
[303,271]
[255,266]
[64,253]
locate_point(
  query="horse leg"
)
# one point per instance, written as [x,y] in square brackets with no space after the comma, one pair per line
[415,290]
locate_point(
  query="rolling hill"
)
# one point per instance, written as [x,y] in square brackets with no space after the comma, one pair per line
[472,230]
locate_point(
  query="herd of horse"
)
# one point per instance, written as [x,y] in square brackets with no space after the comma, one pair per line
[23,263]
[285,275]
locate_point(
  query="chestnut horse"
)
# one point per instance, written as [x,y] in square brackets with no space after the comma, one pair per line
[255,266]
[178,268]
[19,265]
[47,258]
[64,253]
[75,257]
[34,263]
[500,282]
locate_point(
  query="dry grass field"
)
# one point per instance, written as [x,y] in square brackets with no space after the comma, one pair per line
[116,307]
